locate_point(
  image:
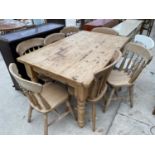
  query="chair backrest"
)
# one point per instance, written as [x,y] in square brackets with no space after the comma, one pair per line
[53,38]
[100,77]
[105,30]
[69,30]
[24,84]
[135,58]
[31,89]
[30,45]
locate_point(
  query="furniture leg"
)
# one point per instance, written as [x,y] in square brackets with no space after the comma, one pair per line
[81,113]
[30,114]
[93,116]
[131,96]
[70,109]
[109,100]
[46,124]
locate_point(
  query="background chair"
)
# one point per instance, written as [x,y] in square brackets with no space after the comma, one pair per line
[43,98]
[138,57]
[105,30]
[99,86]
[145,41]
[29,45]
[53,38]
[69,30]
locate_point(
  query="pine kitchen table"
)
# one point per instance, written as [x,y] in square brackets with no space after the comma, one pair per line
[73,61]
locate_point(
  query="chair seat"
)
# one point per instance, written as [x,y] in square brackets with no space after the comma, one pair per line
[53,94]
[118,78]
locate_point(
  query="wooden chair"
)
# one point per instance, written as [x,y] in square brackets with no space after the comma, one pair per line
[99,86]
[137,58]
[43,98]
[29,45]
[53,38]
[105,30]
[69,30]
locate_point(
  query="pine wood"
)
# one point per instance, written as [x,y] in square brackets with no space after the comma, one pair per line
[74,60]
[99,86]
[135,59]
[69,30]
[30,45]
[105,30]
[43,98]
[53,38]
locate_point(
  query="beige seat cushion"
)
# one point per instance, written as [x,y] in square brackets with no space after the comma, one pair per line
[54,95]
[118,78]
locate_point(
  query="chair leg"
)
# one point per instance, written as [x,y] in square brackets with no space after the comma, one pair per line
[30,114]
[70,109]
[46,124]
[131,96]
[109,100]
[93,116]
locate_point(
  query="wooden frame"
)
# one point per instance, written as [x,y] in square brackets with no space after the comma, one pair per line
[74,65]
[137,57]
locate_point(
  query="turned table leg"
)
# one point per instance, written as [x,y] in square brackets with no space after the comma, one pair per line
[81,93]
[81,113]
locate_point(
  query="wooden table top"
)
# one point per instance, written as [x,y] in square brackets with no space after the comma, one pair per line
[10,24]
[76,58]
[127,27]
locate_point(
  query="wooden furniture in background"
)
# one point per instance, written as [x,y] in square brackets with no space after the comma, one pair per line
[69,30]
[43,98]
[73,61]
[30,45]
[53,38]
[105,30]
[9,42]
[137,58]
[99,86]
[10,25]
[100,23]
[147,25]
[128,28]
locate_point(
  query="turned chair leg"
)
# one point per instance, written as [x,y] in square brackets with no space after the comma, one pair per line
[30,114]
[131,96]
[46,124]
[93,116]
[70,109]
[109,100]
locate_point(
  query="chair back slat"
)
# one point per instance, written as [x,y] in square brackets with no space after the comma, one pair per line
[136,57]
[29,45]
[105,30]
[53,38]
[129,62]
[100,77]
[137,71]
[69,30]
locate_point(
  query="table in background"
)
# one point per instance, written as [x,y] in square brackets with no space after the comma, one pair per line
[128,28]
[100,22]
[8,25]
[73,61]
[8,43]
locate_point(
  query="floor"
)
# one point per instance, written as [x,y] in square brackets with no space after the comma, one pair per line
[120,119]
